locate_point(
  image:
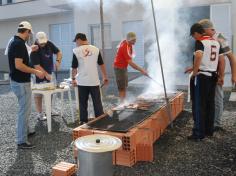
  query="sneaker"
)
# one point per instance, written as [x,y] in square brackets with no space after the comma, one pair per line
[209,134]
[194,138]
[41,117]
[82,123]
[31,134]
[54,113]
[25,146]
[218,128]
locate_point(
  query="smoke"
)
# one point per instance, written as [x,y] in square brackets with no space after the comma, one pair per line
[173,30]
[172,34]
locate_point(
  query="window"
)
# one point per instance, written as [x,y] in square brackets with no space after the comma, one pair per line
[9,1]
[62,35]
[95,35]
[4,2]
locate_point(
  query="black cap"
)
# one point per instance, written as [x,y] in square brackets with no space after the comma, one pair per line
[80,36]
[196,28]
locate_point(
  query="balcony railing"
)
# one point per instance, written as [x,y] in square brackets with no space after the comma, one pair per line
[11,2]
[27,8]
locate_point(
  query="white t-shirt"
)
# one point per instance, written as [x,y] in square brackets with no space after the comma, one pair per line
[211,51]
[87,56]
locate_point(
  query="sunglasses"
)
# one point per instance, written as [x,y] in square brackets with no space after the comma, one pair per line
[29,32]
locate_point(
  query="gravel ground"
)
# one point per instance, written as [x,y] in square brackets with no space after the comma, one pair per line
[174,155]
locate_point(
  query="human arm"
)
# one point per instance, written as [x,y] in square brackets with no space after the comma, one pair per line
[104,74]
[221,70]
[74,70]
[34,48]
[228,52]
[58,54]
[24,68]
[103,69]
[19,61]
[197,62]
[58,60]
[232,60]
[47,75]
[188,69]
[136,67]
[198,54]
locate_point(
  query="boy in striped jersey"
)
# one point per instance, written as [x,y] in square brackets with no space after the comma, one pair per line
[219,94]
[203,82]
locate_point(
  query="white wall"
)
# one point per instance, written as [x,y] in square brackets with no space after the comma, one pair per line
[84,18]
[233,19]
[203,2]
[41,23]
[26,9]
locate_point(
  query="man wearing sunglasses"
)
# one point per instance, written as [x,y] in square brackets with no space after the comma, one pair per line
[20,72]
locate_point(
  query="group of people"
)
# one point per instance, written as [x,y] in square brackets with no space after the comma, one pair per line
[86,57]
[206,81]
[207,78]
[25,60]
[37,59]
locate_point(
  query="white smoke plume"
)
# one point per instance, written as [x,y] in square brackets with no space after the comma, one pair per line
[173,31]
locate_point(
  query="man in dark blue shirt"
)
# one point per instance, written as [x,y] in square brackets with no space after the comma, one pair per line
[42,59]
[20,71]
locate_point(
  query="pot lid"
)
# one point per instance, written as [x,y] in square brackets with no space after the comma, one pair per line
[98,143]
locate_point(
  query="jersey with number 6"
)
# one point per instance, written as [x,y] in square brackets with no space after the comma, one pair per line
[211,51]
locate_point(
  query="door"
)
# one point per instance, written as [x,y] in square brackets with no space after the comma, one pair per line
[62,36]
[137,27]
[220,15]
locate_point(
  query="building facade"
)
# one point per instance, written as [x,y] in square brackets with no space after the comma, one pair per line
[61,19]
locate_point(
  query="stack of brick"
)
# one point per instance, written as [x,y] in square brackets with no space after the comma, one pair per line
[137,144]
[64,169]
[144,147]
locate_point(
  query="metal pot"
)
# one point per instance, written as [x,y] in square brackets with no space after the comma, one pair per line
[95,154]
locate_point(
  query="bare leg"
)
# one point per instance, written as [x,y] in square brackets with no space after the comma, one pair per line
[38,104]
[122,95]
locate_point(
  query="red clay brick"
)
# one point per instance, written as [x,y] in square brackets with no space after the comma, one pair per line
[144,152]
[63,169]
[79,132]
[126,158]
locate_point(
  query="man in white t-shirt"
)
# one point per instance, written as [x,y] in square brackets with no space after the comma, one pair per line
[219,94]
[86,59]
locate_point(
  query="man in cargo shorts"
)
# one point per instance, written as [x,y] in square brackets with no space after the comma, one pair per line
[123,58]
[219,94]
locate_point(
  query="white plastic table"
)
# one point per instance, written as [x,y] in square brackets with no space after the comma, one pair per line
[47,94]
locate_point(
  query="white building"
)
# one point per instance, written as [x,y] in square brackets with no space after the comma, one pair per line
[61,20]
